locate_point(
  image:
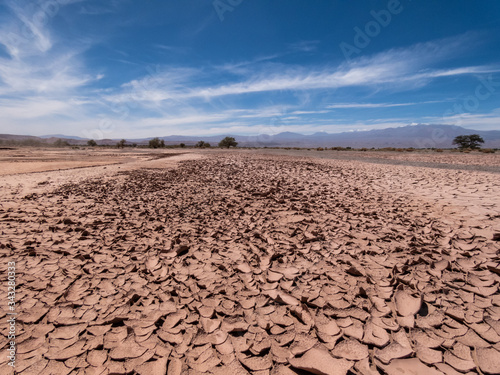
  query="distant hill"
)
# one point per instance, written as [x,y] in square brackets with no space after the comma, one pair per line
[417,136]
[62,136]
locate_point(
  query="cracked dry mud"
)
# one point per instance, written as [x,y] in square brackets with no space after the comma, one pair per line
[240,264]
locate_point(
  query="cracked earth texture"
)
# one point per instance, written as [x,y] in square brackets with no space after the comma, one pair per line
[247,264]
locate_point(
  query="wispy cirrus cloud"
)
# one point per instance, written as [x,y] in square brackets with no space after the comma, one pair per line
[46,81]
[379,105]
[401,68]
[22,35]
[481,121]
[304,46]
[36,64]
[458,71]
[58,73]
[43,81]
[213,97]
[39,107]
[93,10]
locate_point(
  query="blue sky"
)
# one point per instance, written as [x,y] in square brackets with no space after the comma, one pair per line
[130,68]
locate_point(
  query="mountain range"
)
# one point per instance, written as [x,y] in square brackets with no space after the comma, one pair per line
[417,136]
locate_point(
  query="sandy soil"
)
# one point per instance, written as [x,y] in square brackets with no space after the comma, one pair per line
[475,161]
[254,262]
[27,160]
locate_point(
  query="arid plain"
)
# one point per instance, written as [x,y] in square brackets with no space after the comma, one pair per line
[267,261]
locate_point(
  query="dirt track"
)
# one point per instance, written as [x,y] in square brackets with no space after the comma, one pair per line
[238,262]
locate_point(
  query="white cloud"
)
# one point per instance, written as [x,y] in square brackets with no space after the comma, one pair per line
[479,121]
[304,46]
[45,84]
[25,34]
[458,71]
[34,107]
[56,73]
[35,66]
[379,105]
[43,81]
[401,68]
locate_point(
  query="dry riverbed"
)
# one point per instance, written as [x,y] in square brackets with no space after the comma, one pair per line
[260,262]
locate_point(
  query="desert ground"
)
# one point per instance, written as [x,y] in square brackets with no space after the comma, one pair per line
[259,261]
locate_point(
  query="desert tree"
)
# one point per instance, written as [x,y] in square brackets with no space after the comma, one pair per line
[91,143]
[156,143]
[468,141]
[228,142]
[121,144]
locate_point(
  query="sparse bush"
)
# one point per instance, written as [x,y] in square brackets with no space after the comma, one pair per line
[488,151]
[439,150]
[121,144]
[202,144]
[61,143]
[182,145]
[363,149]
[320,149]
[399,149]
